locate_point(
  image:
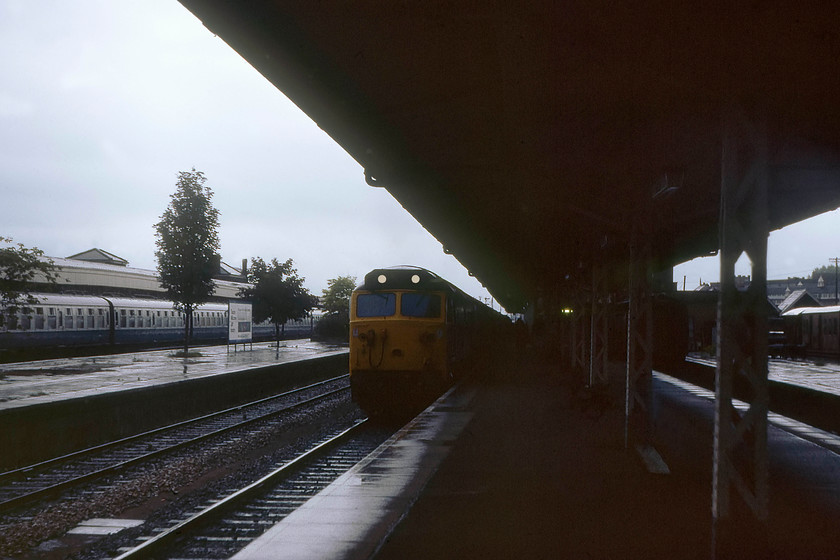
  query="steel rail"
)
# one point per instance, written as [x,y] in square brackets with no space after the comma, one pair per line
[112,469]
[166,538]
[20,471]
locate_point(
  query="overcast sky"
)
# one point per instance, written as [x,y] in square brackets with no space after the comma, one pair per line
[103,102]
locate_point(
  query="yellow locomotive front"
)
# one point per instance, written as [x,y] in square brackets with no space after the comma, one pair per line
[398,339]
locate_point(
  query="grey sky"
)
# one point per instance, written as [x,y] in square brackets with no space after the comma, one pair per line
[103,102]
[793,251]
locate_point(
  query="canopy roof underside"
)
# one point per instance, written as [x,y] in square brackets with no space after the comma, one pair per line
[529,137]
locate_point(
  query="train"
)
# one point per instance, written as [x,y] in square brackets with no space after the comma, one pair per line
[812,332]
[78,321]
[412,334]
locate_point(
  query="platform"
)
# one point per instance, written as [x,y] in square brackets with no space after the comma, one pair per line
[531,467]
[83,402]
[30,383]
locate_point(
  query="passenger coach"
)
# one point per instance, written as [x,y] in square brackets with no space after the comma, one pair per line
[813,331]
[73,321]
[411,334]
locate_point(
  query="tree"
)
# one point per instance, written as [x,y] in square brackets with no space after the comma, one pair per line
[336,302]
[824,271]
[278,294]
[336,297]
[187,242]
[19,268]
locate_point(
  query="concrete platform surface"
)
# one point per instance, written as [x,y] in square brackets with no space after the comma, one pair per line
[819,375]
[352,517]
[28,383]
[540,471]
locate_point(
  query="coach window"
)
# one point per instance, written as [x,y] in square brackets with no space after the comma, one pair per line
[381,304]
[414,304]
[52,320]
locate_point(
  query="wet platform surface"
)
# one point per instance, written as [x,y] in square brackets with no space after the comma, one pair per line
[818,375]
[531,467]
[28,383]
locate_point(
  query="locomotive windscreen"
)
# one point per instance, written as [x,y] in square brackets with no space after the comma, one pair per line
[420,305]
[380,304]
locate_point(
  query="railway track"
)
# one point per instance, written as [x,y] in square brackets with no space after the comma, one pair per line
[60,476]
[239,516]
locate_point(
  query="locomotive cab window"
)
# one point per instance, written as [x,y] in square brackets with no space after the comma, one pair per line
[380,304]
[414,304]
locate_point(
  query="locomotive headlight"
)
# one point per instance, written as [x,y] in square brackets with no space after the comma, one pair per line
[382,278]
[415,279]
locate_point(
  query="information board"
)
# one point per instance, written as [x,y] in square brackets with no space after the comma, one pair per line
[239,317]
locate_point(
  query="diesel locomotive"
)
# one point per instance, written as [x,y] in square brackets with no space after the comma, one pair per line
[412,334]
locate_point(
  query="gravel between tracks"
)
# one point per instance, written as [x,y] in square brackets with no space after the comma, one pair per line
[169,488]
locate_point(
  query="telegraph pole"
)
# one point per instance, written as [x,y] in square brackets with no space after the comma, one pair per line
[835,260]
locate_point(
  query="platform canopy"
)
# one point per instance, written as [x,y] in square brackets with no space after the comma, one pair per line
[529,137]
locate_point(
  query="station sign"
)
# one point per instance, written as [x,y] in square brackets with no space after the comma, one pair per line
[240,323]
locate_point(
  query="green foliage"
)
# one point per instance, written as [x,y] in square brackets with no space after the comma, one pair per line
[333,327]
[187,242]
[335,300]
[19,268]
[825,271]
[336,297]
[278,293]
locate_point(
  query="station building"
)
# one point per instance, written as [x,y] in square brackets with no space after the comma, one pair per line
[98,272]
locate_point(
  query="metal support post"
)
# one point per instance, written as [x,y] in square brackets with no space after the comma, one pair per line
[638,391]
[740,443]
[579,339]
[598,329]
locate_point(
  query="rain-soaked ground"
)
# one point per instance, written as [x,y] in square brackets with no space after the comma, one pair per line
[28,383]
[818,375]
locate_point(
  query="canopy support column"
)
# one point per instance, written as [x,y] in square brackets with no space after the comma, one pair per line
[638,391]
[598,329]
[740,437]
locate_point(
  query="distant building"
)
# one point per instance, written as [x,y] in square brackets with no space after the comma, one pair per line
[98,272]
[99,256]
[790,293]
[796,299]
